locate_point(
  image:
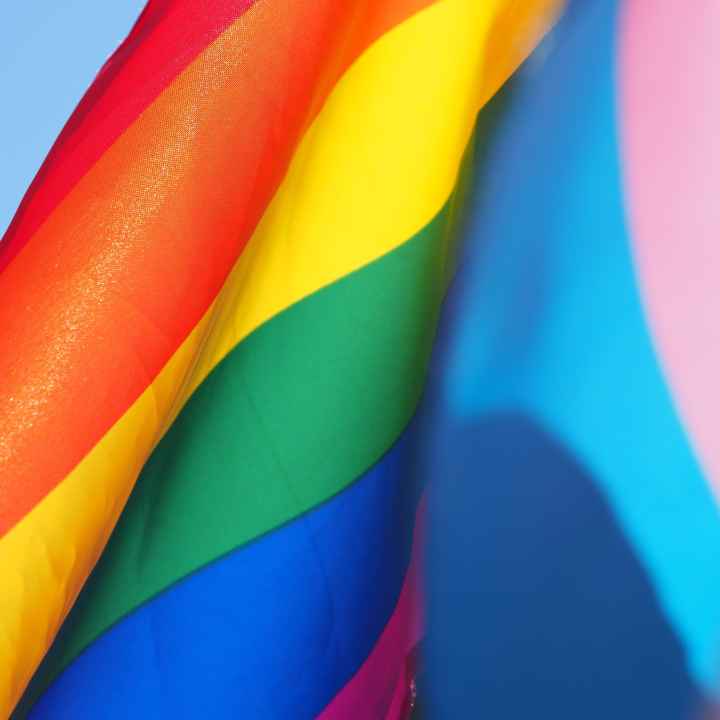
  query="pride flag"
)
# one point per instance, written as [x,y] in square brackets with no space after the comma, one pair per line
[218,300]
[227,422]
[574,529]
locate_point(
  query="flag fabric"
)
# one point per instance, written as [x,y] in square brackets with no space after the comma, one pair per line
[218,301]
[574,526]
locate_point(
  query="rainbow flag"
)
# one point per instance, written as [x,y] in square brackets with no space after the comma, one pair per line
[219,297]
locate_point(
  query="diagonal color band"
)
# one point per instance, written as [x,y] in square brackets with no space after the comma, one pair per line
[60,539]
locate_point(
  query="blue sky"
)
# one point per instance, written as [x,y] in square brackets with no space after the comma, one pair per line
[50,51]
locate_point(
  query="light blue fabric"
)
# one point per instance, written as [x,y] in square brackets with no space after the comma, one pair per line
[548,321]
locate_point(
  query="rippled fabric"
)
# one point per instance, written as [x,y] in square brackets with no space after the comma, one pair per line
[228,273]
[303,604]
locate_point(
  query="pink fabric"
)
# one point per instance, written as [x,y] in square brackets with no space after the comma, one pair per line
[379,689]
[670,125]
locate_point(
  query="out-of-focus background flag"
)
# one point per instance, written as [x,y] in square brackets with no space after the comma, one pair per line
[574,442]
[218,313]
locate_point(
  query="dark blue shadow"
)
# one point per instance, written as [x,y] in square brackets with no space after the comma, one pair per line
[538,607]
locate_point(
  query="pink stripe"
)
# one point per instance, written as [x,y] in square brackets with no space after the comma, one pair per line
[670,121]
[379,689]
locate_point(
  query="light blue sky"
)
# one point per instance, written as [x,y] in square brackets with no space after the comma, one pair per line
[50,51]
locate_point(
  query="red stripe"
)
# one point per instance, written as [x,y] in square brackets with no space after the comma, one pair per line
[167,36]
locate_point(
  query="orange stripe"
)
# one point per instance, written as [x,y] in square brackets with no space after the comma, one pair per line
[123,270]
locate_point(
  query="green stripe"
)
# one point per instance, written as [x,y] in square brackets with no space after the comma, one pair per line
[296,412]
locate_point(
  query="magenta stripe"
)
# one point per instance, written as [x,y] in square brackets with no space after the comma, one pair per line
[379,689]
[670,115]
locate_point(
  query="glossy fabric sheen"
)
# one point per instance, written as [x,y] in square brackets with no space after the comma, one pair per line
[279,386]
[271,431]
[166,39]
[168,35]
[79,501]
[143,425]
[132,267]
[273,630]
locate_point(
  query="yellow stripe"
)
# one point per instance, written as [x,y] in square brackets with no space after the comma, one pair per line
[375,167]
